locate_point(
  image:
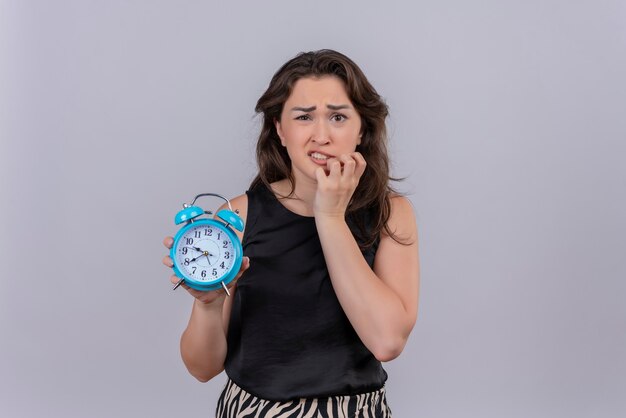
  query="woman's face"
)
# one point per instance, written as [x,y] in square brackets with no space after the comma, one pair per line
[318,122]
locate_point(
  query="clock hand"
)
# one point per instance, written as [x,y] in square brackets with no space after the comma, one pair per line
[206,253]
[200,249]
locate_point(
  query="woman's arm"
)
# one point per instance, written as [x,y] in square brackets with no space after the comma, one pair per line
[382,303]
[203,343]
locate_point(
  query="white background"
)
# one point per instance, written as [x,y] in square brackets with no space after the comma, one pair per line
[507,118]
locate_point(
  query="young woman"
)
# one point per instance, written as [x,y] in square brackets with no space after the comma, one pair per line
[330,280]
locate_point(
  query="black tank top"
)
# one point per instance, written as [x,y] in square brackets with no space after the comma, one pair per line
[288,336]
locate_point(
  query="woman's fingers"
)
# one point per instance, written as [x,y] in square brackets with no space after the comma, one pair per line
[245,264]
[168,242]
[346,165]
[344,168]
[320,175]
[168,261]
[174,279]
[349,164]
[334,168]
[361,164]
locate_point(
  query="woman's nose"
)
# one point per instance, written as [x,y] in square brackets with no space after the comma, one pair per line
[321,133]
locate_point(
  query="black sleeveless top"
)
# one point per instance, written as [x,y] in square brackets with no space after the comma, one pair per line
[288,336]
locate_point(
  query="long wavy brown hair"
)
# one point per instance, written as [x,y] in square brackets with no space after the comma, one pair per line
[370,206]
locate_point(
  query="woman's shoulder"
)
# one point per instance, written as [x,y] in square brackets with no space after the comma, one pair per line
[401,217]
[239,202]
[400,203]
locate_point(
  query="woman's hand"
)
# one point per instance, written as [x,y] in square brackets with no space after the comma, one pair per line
[204,297]
[335,190]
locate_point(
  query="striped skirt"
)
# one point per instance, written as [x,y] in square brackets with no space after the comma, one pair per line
[234,402]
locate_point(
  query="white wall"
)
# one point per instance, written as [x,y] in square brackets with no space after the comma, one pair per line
[507,117]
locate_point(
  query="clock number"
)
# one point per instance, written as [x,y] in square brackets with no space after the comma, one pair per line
[225,244]
[183,250]
[193,271]
[208,232]
[219,235]
[222,265]
[186,261]
[189,241]
[214,272]
[203,274]
[197,234]
[226,255]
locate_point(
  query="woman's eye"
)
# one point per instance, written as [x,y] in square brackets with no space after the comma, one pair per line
[303,117]
[338,118]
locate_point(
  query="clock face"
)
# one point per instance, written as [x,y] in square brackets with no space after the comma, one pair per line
[204,252]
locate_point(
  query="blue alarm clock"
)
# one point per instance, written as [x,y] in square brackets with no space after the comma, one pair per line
[207,253]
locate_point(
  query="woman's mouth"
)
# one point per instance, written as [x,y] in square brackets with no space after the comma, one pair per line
[319,158]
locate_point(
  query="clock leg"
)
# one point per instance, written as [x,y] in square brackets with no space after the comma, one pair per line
[178,284]
[225,289]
